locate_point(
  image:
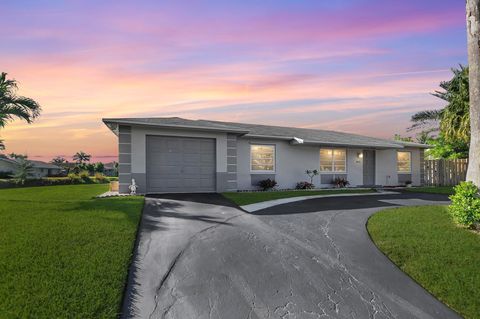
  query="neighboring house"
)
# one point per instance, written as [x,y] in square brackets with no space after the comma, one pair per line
[109,169]
[40,169]
[179,155]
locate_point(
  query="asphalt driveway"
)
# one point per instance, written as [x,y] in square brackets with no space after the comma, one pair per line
[200,256]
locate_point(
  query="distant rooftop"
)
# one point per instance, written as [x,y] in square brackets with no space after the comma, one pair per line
[309,136]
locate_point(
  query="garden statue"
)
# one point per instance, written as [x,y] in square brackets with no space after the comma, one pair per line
[133,187]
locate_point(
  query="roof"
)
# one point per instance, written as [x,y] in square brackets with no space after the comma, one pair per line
[36,164]
[307,136]
[41,164]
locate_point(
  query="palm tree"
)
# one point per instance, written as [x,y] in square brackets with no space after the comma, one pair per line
[81,157]
[24,171]
[455,117]
[426,119]
[453,120]
[58,160]
[473,38]
[13,106]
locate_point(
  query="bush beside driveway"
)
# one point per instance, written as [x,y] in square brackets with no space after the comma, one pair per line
[425,243]
[64,254]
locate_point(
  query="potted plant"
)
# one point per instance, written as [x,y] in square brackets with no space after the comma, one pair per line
[408,183]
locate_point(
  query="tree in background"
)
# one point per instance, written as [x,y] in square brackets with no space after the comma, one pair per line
[13,106]
[24,171]
[81,158]
[473,38]
[89,167]
[452,122]
[17,156]
[59,161]
[99,167]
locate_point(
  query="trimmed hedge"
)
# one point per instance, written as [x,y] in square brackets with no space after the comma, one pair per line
[53,181]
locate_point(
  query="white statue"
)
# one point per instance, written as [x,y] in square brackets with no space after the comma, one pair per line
[133,187]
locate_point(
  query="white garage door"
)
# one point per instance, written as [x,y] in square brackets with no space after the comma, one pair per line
[180,164]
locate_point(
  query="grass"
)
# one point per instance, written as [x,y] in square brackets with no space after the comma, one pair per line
[245,198]
[441,256]
[448,190]
[64,254]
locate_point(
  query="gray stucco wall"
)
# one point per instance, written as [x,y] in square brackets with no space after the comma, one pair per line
[386,168]
[291,161]
[233,161]
[124,158]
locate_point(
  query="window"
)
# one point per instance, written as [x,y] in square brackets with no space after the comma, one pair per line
[404,162]
[333,160]
[262,158]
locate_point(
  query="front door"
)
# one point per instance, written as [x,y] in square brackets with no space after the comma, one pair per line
[369,168]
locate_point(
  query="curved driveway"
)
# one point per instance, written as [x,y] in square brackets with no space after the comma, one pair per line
[199,256]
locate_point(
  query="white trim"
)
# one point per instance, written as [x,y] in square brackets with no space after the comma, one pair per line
[410,160]
[274,159]
[333,160]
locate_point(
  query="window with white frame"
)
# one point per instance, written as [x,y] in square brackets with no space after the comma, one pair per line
[333,160]
[404,162]
[262,158]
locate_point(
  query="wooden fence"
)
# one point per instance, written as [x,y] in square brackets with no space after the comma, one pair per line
[443,172]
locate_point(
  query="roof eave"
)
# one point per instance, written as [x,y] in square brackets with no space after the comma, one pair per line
[310,142]
[110,122]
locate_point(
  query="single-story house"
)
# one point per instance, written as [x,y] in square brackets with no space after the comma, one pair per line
[40,169]
[180,155]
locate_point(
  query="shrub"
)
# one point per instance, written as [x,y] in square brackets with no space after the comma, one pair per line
[311,174]
[74,178]
[100,178]
[267,184]
[465,207]
[85,177]
[340,182]
[304,185]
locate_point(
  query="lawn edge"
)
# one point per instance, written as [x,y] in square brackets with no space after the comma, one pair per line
[397,266]
[129,280]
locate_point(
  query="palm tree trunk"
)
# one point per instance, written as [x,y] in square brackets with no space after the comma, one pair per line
[473,36]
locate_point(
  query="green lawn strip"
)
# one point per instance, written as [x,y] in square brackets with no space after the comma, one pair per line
[61,257]
[432,189]
[53,193]
[245,198]
[427,245]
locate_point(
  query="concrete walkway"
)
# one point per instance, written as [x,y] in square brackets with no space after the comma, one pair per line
[270,203]
[199,256]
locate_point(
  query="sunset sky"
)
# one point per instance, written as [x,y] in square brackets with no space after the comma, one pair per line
[360,66]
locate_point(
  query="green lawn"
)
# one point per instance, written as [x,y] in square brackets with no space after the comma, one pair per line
[432,189]
[427,245]
[64,254]
[245,198]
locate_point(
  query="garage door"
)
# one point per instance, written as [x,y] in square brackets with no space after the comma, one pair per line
[180,164]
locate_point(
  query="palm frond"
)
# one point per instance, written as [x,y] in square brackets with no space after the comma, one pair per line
[425,119]
[13,106]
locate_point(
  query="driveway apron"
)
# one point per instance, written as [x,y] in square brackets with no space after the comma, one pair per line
[200,256]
